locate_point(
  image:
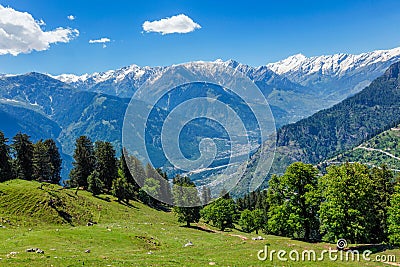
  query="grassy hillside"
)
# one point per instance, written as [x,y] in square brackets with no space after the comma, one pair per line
[381,149]
[133,235]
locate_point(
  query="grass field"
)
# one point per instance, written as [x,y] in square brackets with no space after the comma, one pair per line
[54,220]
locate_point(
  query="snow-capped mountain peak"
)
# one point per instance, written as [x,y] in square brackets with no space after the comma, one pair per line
[98,77]
[333,65]
[70,78]
[288,64]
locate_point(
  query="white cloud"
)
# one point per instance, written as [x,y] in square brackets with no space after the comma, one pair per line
[103,41]
[21,33]
[71,17]
[100,41]
[175,24]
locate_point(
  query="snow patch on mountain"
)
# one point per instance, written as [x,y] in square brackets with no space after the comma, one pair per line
[132,71]
[334,65]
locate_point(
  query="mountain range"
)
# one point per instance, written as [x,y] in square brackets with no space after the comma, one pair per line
[66,106]
[295,87]
[336,131]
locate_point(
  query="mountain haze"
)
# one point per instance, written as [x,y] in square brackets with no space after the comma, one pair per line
[66,106]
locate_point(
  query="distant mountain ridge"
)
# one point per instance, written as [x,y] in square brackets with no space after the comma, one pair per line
[295,87]
[334,65]
[67,106]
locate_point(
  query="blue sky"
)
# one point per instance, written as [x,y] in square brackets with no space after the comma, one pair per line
[252,32]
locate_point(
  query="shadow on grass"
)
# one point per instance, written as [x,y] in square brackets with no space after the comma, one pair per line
[128,204]
[65,215]
[204,229]
[311,241]
[103,198]
[73,195]
[162,208]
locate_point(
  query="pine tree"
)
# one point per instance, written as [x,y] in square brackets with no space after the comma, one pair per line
[206,195]
[137,171]
[106,163]
[84,163]
[23,151]
[224,194]
[125,173]
[41,162]
[165,187]
[5,159]
[55,161]
[123,165]
[95,184]
[120,189]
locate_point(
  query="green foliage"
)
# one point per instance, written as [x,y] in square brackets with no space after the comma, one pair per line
[41,162]
[23,151]
[381,149]
[383,182]
[186,200]
[254,200]
[95,184]
[136,172]
[125,172]
[221,213]
[294,202]
[55,161]
[5,159]
[246,221]
[259,220]
[252,220]
[394,218]
[106,163]
[150,191]
[120,189]
[165,187]
[347,209]
[84,163]
[152,186]
[46,162]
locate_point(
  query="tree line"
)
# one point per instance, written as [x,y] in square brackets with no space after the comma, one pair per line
[97,170]
[351,201]
[40,161]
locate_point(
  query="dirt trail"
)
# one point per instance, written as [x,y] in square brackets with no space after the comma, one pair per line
[379,150]
[220,232]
